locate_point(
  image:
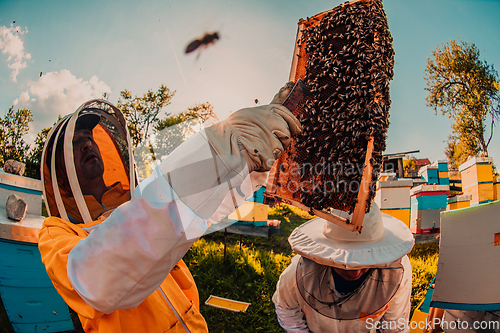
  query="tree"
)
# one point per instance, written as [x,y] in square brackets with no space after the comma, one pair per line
[142,112]
[458,149]
[34,158]
[202,112]
[410,166]
[466,89]
[13,126]
[170,133]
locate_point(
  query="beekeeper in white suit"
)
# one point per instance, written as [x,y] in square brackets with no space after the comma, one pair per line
[343,281]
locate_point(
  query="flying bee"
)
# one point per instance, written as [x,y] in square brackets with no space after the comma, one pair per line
[202,42]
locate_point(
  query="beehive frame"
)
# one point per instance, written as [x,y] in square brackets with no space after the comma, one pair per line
[347,65]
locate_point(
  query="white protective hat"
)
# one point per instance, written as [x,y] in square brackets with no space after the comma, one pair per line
[383,240]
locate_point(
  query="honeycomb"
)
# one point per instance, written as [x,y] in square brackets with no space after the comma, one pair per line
[346,59]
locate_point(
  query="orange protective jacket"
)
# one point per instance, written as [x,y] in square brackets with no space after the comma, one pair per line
[56,239]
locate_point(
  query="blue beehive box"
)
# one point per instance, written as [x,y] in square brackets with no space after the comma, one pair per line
[30,300]
[443,176]
[430,173]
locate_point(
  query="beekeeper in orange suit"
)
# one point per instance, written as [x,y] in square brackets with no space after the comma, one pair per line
[114,252]
[343,281]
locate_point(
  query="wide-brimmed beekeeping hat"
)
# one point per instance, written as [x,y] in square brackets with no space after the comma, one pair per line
[61,189]
[383,240]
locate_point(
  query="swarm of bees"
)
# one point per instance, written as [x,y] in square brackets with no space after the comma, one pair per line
[350,62]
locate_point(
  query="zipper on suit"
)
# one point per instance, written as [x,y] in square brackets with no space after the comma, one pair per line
[174,310]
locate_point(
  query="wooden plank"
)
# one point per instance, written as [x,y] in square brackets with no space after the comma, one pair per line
[359,210]
[227,304]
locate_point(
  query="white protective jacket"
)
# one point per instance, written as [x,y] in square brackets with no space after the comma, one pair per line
[296,315]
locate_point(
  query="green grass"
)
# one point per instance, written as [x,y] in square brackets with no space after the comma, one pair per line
[247,275]
[424,260]
[250,274]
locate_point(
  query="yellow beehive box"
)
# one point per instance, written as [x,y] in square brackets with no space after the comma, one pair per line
[250,211]
[481,193]
[476,170]
[443,174]
[459,201]
[400,214]
[477,179]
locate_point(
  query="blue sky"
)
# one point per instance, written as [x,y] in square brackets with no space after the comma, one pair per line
[86,48]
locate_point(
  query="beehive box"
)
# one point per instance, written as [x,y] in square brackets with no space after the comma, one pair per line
[458,202]
[254,212]
[31,302]
[346,59]
[27,188]
[496,189]
[470,239]
[477,179]
[443,177]
[393,198]
[430,173]
[426,203]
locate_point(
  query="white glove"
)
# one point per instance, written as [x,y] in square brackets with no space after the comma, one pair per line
[259,135]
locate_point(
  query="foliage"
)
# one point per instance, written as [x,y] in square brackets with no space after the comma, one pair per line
[13,126]
[169,134]
[142,112]
[424,260]
[200,111]
[33,160]
[409,166]
[458,149]
[172,131]
[466,89]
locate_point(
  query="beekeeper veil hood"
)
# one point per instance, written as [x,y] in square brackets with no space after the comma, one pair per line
[324,245]
[61,188]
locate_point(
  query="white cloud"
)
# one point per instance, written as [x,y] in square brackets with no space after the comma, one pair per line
[11,44]
[57,93]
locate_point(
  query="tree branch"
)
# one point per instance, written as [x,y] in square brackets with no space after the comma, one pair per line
[491,131]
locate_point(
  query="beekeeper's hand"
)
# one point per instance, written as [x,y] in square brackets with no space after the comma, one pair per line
[260,134]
